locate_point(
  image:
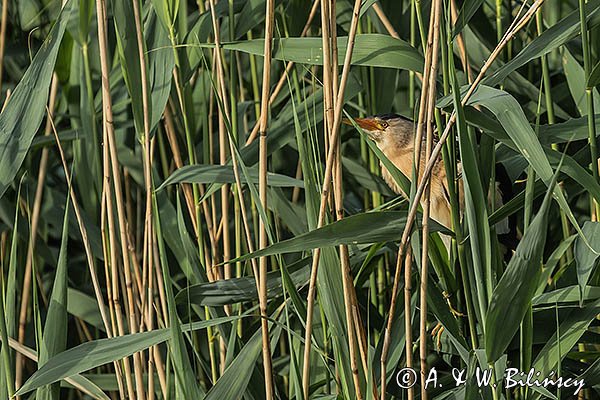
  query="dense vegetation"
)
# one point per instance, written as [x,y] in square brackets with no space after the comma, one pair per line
[183,214]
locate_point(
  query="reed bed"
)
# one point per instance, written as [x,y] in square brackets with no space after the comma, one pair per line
[183,214]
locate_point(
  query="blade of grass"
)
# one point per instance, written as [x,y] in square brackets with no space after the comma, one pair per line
[54,339]
[518,282]
[23,113]
[92,354]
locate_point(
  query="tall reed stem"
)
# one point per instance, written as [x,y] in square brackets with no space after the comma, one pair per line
[347,282]
[423,104]
[262,188]
[116,178]
[433,47]
[325,196]
[147,163]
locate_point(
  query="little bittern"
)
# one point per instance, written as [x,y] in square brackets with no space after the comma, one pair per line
[395,137]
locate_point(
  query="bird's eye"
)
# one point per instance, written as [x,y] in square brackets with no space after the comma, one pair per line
[383,124]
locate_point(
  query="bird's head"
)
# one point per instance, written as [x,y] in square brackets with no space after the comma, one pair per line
[386,129]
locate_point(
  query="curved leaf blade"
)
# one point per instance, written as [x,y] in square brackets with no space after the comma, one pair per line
[518,283]
[372,50]
[512,118]
[585,258]
[207,173]
[363,228]
[103,351]
[26,107]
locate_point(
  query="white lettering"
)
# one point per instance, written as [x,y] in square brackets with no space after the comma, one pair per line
[432,377]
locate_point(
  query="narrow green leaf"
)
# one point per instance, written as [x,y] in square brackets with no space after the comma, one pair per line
[570,130]
[209,173]
[160,67]
[586,259]
[86,11]
[553,261]
[591,376]
[103,351]
[468,9]
[594,78]
[8,308]
[235,290]
[475,205]
[86,386]
[568,334]
[235,379]
[128,50]
[186,383]
[54,339]
[365,178]
[292,214]
[371,227]
[167,12]
[569,294]
[344,12]
[373,50]
[510,115]
[518,283]
[90,355]
[84,307]
[570,167]
[27,105]
[577,85]
[253,14]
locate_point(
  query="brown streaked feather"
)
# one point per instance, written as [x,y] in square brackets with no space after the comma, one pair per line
[401,155]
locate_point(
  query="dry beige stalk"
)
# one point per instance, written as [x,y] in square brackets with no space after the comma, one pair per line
[407,315]
[417,162]
[462,48]
[434,48]
[326,188]
[385,21]
[347,281]
[83,231]
[262,189]
[117,182]
[148,260]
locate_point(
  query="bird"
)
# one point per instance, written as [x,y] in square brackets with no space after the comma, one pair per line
[394,135]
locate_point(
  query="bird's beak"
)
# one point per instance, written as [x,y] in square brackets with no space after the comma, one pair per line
[368,124]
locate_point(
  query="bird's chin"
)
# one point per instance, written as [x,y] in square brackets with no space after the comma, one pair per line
[374,136]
